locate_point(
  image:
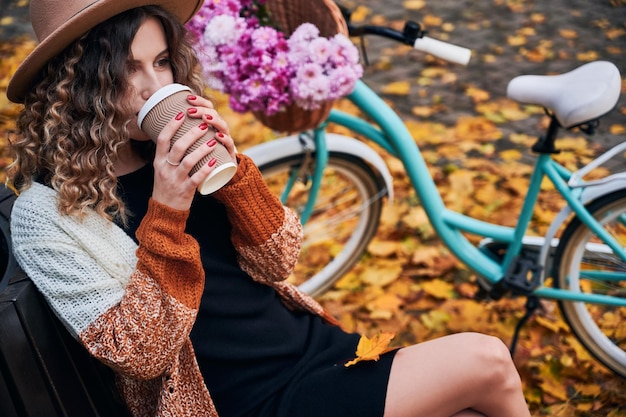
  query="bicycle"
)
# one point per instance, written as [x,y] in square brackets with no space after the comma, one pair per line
[587,261]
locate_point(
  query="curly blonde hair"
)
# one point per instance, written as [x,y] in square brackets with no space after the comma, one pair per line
[75,117]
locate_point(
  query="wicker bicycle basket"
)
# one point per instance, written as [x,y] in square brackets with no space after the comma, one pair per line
[288,15]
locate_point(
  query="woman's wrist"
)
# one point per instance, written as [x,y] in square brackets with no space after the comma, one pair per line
[164,220]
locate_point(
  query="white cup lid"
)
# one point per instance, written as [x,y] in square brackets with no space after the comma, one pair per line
[159,95]
[219,177]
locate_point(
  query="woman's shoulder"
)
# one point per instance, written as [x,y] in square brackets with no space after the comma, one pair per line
[37,207]
[36,216]
[37,190]
[37,201]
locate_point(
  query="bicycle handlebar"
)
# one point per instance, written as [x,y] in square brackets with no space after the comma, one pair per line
[413,35]
[443,50]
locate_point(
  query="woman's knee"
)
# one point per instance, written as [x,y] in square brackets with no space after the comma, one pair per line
[451,373]
[493,356]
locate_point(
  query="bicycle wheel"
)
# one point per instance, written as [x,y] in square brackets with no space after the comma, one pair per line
[343,221]
[585,264]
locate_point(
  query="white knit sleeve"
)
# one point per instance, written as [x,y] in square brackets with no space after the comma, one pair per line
[81,267]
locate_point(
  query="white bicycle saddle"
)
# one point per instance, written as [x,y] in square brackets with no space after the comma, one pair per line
[575,97]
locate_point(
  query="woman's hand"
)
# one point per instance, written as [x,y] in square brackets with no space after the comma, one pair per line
[204,109]
[173,184]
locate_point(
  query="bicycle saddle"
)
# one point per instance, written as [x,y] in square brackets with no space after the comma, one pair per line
[575,97]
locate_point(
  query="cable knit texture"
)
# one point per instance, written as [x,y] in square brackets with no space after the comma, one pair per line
[133,306]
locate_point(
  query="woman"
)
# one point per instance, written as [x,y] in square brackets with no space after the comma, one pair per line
[183,295]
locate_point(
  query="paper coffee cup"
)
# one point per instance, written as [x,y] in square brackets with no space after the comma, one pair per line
[161,108]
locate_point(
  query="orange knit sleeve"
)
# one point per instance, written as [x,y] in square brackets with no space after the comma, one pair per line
[169,255]
[254,211]
[266,235]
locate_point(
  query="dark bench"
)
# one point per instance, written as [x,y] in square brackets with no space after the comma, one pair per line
[43,370]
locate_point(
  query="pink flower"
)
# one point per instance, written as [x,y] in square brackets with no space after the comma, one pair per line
[260,69]
[265,38]
[321,50]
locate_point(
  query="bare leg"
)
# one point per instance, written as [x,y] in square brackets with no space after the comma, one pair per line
[467,374]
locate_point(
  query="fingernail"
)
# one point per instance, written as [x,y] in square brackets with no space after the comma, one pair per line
[180,115]
[204,126]
[191,97]
[220,134]
[192,111]
[208,117]
[212,142]
[212,162]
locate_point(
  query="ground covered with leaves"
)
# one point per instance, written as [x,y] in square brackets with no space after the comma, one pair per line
[477,144]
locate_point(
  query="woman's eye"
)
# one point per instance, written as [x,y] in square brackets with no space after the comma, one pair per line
[163,62]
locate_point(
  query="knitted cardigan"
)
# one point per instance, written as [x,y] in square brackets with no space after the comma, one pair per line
[133,306]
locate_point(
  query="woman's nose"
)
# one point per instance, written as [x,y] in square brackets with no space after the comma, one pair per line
[151,84]
[148,91]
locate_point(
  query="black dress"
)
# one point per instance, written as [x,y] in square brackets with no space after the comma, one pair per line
[257,357]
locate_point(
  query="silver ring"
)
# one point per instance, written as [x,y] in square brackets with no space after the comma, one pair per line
[171,163]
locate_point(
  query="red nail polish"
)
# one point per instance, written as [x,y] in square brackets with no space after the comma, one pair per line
[180,115]
[204,126]
[220,134]
[212,142]
[192,111]
[212,162]
[209,117]
[191,97]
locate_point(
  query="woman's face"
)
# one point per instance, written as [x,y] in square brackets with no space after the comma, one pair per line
[149,69]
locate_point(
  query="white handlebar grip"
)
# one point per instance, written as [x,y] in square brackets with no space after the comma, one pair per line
[443,50]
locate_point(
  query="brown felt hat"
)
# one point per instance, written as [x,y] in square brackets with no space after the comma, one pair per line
[57,23]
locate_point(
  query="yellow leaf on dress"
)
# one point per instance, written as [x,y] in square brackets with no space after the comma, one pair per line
[371,349]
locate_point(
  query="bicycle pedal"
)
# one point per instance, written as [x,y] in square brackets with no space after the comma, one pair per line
[522,276]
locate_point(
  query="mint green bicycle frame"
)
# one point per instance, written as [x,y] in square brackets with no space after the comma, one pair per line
[394,137]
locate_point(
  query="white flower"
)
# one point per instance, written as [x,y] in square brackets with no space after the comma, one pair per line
[223,30]
[306,32]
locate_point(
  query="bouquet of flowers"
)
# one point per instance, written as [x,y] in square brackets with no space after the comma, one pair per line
[265,70]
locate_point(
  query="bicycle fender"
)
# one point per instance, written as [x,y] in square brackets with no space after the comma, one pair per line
[613,183]
[291,145]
